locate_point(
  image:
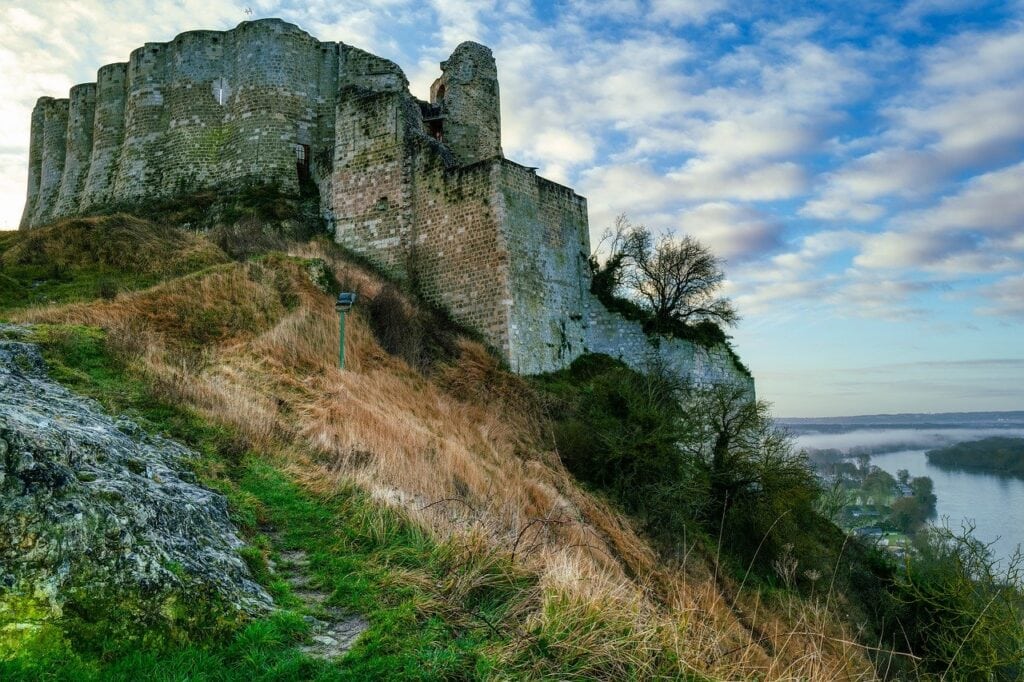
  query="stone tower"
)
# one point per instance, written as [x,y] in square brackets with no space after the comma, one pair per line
[466,100]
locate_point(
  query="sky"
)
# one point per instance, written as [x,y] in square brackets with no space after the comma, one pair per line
[859,165]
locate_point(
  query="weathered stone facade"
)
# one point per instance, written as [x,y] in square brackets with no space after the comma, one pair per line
[421,188]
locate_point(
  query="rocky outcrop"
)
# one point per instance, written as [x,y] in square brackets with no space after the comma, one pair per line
[95,511]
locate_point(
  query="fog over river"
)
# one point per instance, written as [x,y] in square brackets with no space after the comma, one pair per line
[896,438]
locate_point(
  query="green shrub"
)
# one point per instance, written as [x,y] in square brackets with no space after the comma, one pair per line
[619,430]
[961,611]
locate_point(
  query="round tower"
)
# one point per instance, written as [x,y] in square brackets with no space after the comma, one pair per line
[107,134]
[195,97]
[272,108]
[81,113]
[55,134]
[140,170]
[35,161]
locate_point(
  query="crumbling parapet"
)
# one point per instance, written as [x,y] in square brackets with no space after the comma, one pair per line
[467,97]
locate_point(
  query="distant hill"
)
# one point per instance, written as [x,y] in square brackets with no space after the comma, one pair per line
[996,455]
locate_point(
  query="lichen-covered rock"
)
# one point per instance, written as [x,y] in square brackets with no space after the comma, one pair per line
[100,519]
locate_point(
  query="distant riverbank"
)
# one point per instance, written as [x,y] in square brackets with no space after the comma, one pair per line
[999,455]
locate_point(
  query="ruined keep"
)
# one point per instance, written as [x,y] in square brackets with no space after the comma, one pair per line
[419,187]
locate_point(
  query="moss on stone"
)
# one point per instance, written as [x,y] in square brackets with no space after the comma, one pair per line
[23,619]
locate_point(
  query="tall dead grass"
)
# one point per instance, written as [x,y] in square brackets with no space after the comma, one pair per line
[119,241]
[254,346]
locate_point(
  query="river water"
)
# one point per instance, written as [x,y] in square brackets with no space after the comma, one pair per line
[994,503]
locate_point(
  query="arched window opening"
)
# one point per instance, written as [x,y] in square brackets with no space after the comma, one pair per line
[302,162]
[221,91]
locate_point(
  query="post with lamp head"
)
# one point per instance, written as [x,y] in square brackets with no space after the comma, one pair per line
[343,305]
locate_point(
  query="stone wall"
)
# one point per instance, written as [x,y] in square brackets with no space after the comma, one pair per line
[611,334]
[545,226]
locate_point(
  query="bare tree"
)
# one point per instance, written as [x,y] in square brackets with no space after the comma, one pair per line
[677,279]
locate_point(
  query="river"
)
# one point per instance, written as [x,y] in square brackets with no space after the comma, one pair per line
[994,503]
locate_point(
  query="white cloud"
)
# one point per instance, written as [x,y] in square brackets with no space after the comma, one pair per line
[866,295]
[835,206]
[769,297]
[961,114]
[733,232]
[639,189]
[1006,298]
[679,12]
[461,20]
[992,202]
[974,58]
[976,229]
[713,178]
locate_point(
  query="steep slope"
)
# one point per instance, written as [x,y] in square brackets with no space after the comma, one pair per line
[553,580]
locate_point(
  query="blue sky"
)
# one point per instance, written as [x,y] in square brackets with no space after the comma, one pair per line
[859,165]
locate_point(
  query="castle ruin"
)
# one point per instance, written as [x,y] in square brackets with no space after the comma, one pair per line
[419,187]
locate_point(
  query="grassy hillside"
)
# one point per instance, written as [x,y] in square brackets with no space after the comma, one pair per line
[87,258]
[424,482]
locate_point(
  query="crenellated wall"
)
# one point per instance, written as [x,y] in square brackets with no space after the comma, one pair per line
[421,188]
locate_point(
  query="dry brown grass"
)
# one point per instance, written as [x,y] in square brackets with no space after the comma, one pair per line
[254,346]
[118,241]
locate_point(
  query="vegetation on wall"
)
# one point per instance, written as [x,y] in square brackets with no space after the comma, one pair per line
[667,285]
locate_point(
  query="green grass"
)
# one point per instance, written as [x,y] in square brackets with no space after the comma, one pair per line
[369,558]
[84,259]
[22,286]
